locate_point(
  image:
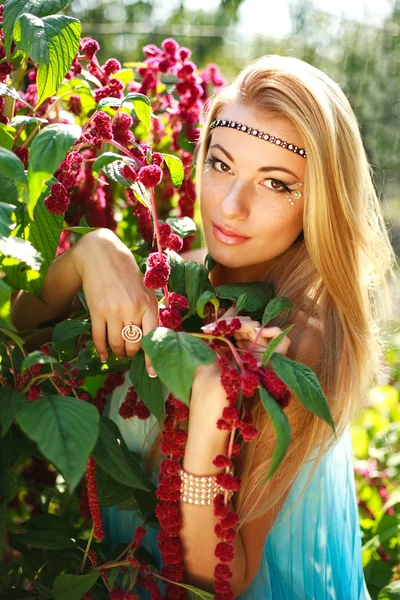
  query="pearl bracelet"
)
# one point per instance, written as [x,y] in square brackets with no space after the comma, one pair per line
[201,489]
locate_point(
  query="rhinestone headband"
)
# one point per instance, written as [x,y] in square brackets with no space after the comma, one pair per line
[259,134]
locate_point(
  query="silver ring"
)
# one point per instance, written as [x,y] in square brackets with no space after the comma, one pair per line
[132,333]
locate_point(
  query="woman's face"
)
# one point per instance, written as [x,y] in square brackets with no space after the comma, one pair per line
[243,188]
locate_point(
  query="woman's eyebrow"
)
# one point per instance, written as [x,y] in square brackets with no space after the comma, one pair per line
[261,169]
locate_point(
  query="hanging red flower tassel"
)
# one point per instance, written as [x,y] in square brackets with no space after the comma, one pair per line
[93,498]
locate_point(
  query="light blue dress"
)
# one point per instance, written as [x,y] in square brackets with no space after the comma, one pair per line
[314,554]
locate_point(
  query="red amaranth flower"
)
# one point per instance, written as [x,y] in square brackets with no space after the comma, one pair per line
[224,552]
[177,301]
[171,318]
[275,387]
[112,65]
[174,242]
[58,201]
[89,47]
[23,155]
[102,123]
[75,105]
[129,172]
[157,276]
[93,498]
[150,175]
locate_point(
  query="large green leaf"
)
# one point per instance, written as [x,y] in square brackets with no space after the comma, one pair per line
[15,249]
[9,189]
[48,149]
[275,307]
[12,168]
[43,233]
[46,540]
[175,167]
[274,343]
[65,429]
[175,355]
[183,226]
[11,401]
[148,388]
[304,383]
[36,358]
[68,329]
[6,136]
[176,281]
[258,294]
[196,279]
[73,587]
[8,90]
[122,466]
[51,43]
[207,296]
[281,427]
[14,8]
[20,120]
[6,223]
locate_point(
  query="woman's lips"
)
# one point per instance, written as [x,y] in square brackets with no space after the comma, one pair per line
[224,238]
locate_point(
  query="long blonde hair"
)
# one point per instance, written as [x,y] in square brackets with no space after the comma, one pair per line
[335,272]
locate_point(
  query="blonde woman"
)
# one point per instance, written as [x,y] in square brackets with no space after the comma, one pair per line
[287,197]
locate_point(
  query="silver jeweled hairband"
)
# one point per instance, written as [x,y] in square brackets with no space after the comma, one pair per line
[260,134]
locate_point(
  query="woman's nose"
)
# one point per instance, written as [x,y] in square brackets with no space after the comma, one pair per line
[236,202]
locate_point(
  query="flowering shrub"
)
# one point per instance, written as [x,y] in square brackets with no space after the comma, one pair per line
[85,146]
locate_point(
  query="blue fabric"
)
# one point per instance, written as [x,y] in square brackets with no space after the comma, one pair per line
[313,554]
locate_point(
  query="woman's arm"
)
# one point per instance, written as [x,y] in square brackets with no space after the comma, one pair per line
[114,290]
[203,444]
[60,286]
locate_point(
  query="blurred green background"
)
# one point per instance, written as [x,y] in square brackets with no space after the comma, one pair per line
[357,43]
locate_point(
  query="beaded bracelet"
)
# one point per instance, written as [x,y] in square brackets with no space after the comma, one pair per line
[201,490]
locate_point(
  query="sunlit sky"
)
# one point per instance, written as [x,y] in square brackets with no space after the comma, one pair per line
[272,17]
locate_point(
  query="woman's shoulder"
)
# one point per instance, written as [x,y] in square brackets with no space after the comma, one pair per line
[197,255]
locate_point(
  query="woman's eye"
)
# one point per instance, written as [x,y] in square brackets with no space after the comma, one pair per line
[214,162]
[276,185]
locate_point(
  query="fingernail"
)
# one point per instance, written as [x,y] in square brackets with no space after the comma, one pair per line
[152,372]
[208,327]
[103,358]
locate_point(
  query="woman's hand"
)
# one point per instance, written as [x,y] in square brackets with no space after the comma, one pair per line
[247,334]
[115,292]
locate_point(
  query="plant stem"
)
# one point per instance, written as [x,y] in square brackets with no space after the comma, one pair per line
[87,550]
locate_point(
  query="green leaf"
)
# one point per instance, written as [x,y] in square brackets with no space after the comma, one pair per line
[7,90]
[207,296]
[65,429]
[47,540]
[110,491]
[73,587]
[183,226]
[48,149]
[175,167]
[44,234]
[11,401]
[241,303]
[209,262]
[6,223]
[258,294]
[175,357]
[148,388]
[110,456]
[390,592]
[142,108]
[11,166]
[281,427]
[109,157]
[9,189]
[14,8]
[6,136]
[22,251]
[80,230]
[274,343]
[196,280]
[51,43]
[176,281]
[275,307]
[20,120]
[304,383]
[69,329]
[36,358]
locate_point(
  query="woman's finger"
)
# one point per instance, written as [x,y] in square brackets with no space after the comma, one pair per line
[115,339]
[99,337]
